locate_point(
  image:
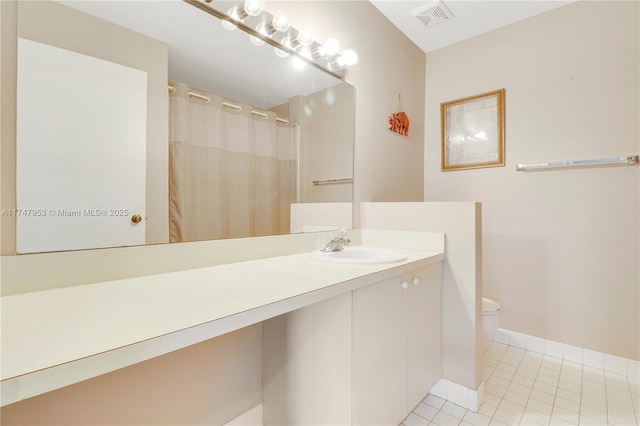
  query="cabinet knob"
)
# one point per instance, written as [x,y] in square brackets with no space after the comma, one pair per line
[404,285]
[416,281]
[136,218]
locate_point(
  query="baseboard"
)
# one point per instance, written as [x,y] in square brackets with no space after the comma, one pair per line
[458,394]
[252,417]
[610,363]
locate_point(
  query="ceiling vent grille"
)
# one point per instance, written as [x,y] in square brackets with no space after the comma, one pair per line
[433,13]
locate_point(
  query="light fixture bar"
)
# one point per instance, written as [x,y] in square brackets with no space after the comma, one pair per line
[201,4]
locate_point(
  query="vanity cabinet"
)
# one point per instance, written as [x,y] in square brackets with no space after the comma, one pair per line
[365,357]
[396,345]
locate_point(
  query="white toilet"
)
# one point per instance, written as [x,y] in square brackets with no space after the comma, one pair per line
[490,318]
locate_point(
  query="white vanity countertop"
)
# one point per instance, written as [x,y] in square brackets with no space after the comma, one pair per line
[58,337]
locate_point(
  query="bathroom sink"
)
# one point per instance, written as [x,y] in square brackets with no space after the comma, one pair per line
[360,255]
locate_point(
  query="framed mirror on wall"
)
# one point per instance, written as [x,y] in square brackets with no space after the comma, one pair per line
[244,127]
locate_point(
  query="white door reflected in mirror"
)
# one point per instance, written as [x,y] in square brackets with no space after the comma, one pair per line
[81,151]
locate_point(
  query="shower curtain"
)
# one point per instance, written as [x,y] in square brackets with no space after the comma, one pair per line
[232,173]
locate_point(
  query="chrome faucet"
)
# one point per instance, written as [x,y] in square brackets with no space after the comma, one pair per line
[338,242]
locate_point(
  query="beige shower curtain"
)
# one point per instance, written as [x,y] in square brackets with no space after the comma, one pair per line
[232,174]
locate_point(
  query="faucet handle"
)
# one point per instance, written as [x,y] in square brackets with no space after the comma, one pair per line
[342,233]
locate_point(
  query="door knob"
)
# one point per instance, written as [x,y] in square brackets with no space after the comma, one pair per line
[136,218]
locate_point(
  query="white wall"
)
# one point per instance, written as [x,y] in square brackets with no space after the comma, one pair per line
[561,248]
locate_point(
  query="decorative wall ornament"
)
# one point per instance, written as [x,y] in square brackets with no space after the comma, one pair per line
[399,123]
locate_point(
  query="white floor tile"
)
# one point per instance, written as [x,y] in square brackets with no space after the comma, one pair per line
[415,420]
[534,418]
[589,421]
[454,410]
[515,397]
[444,419]
[487,409]
[476,418]
[434,401]
[426,411]
[507,417]
[527,388]
[567,394]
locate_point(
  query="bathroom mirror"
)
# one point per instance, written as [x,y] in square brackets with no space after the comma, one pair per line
[207,59]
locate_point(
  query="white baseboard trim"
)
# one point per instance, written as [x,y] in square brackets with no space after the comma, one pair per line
[610,363]
[253,417]
[459,395]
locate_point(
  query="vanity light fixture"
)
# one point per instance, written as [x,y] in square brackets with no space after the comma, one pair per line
[277,24]
[263,26]
[250,8]
[303,38]
[286,42]
[328,50]
[347,58]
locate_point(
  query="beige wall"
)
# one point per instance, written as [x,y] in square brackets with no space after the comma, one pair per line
[326,151]
[561,248]
[209,383]
[50,23]
[388,167]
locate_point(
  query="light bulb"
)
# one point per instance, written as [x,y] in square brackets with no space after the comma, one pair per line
[336,63]
[233,14]
[262,29]
[350,57]
[298,63]
[252,8]
[304,37]
[279,23]
[228,25]
[281,53]
[330,47]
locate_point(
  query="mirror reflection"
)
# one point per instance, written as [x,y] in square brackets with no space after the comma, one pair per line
[247,133]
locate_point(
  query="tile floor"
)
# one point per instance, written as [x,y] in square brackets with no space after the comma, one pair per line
[528,388]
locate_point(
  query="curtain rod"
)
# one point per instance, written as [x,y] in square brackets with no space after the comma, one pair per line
[594,162]
[238,108]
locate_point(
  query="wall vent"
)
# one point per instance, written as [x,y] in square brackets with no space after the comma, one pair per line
[433,13]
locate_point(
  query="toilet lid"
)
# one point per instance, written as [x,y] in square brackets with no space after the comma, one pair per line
[489,306]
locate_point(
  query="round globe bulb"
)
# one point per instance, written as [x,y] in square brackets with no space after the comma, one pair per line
[331,47]
[252,8]
[298,63]
[350,57]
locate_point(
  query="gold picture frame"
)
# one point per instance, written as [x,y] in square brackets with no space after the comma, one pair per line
[473,131]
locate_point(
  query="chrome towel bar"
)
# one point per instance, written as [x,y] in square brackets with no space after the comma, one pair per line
[567,164]
[332,181]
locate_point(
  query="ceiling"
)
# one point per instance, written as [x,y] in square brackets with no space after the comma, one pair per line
[210,58]
[471,18]
[207,57]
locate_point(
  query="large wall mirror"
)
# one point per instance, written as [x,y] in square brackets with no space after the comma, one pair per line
[234,132]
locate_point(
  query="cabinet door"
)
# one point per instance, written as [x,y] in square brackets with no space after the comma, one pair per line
[379,366]
[424,333]
[307,365]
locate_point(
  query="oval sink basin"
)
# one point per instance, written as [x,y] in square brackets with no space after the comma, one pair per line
[360,255]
